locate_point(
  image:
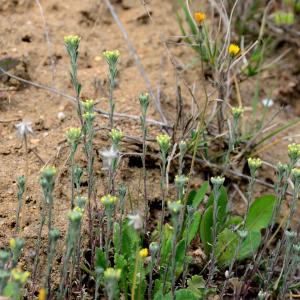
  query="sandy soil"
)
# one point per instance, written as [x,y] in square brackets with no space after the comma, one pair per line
[22,36]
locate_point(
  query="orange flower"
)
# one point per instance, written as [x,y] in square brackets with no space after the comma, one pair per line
[42,294]
[199,17]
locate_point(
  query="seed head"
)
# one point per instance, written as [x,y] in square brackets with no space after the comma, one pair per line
[23,129]
[233,50]
[135,220]
[109,156]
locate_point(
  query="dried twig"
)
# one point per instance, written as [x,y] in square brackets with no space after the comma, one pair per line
[73,99]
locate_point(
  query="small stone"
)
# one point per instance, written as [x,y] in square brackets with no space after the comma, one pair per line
[61,116]
[97,58]
[34,141]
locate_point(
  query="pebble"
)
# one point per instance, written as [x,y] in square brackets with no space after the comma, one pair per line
[34,141]
[61,116]
[97,58]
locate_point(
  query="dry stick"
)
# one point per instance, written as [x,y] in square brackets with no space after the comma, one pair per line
[137,59]
[49,44]
[73,99]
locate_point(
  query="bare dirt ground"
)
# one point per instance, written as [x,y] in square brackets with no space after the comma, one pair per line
[22,36]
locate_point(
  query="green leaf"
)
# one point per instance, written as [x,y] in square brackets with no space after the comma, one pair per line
[130,241]
[260,213]
[233,221]
[12,290]
[227,243]
[205,229]
[121,263]
[198,198]
[196,284]
[100,260]
[185,294]
[194,227]
[182,294]
[116,237]
[191,197]
[167,243]
[222,207]
[250,245]
[179,258]
[188,17]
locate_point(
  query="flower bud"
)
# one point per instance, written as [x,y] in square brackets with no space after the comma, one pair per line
[164,142]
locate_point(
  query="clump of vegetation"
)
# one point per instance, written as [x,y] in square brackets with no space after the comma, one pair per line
[130,255]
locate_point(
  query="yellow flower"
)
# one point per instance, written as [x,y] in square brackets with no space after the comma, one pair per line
[42,294]
[72,40]
[144,253]
[234,49]
[20,276]
[199,17]
[12,243]
[108,200]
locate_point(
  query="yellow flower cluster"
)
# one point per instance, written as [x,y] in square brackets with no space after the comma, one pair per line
[88,105]
[164,142]
[237,111]
[20,276]
[112,56]
[294,151]
[73,134]
[72,40]
[108,199]
[254,163]
[116,135]
[112,274]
